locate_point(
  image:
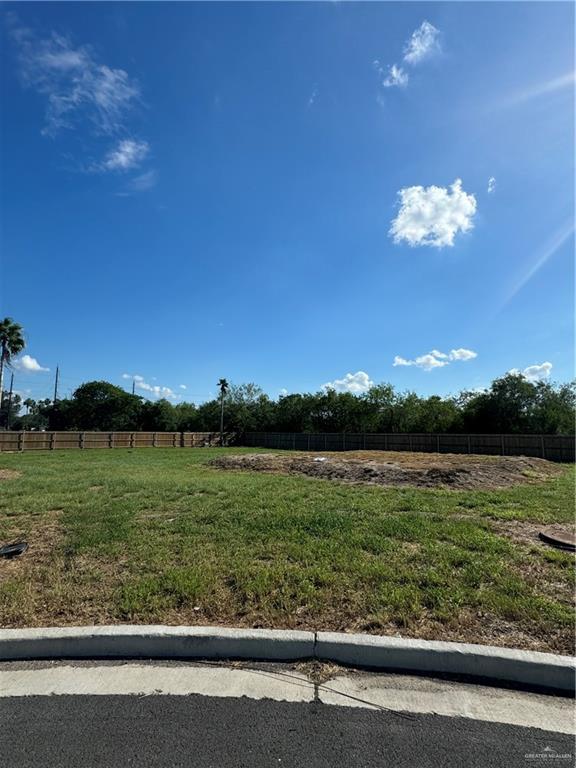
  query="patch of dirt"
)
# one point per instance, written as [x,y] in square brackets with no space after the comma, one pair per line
[9,474]
[398,469]
[525,532]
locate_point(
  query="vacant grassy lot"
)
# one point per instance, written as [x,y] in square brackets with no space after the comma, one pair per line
[158,536]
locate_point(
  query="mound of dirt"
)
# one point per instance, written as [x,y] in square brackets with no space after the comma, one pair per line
[423,470]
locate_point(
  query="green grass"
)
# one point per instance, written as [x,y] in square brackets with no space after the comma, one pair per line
[156,535]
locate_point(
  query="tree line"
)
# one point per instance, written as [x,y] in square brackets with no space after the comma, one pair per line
[512,404]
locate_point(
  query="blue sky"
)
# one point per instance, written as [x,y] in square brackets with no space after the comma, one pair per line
[291,194]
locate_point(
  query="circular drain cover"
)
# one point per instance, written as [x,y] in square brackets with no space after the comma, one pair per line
[560,540]
[13,550]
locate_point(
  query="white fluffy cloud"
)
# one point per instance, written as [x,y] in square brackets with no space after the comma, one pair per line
[426,362]
[127,154]
[462,354]
[29,364]
[436,359]
[355,383]
[76,86]
[535,372]
[433,215]
[424,42]
[153,389]
[491,185]
[183,386]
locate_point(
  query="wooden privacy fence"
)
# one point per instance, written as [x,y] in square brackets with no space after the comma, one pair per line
[49,441]
[552,447]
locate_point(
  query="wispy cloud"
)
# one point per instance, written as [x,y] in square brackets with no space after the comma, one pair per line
[391,76]
[313,96]
[536,90]
[141,183]
[491,185]
[29,364]
[396,77]
[433,215]
[554,244]
[356,383]
[436,359]
[533,373]
[424,42]
[76,86]
[126,155]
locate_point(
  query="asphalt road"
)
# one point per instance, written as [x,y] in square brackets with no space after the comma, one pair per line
[166,731]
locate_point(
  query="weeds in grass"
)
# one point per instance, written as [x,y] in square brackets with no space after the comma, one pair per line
[168,539]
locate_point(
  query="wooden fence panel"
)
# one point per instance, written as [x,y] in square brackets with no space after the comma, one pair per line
[49,441]
[551,447]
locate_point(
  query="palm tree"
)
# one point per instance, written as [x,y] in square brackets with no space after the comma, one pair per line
[11,344]
[29,404]
[223,386]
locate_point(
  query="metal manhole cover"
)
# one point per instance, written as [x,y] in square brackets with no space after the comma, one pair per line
[559,540]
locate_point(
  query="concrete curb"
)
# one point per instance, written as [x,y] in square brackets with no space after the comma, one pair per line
[526,668]
[155,641]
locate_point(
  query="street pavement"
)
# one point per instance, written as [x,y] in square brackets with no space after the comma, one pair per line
[48,728]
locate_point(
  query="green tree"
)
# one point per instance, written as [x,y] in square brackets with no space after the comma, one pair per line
[507,407]
[159,416]
[186,417]
[11,344]
[10,409]
[98,405]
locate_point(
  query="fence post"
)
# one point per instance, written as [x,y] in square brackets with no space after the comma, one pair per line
[385,441]
[154,440]
[131,439]
[110,439]
[502,445]
[51,441]
[544,447]
[81,439]
[343,441]
[308,440]
[437,443]
[182,443]
[410,442]
[469,448]
[21,441]
[293,441]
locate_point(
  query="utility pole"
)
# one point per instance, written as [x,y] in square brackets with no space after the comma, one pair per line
[222,419]
[9,401]
[56,385]
[133,386]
